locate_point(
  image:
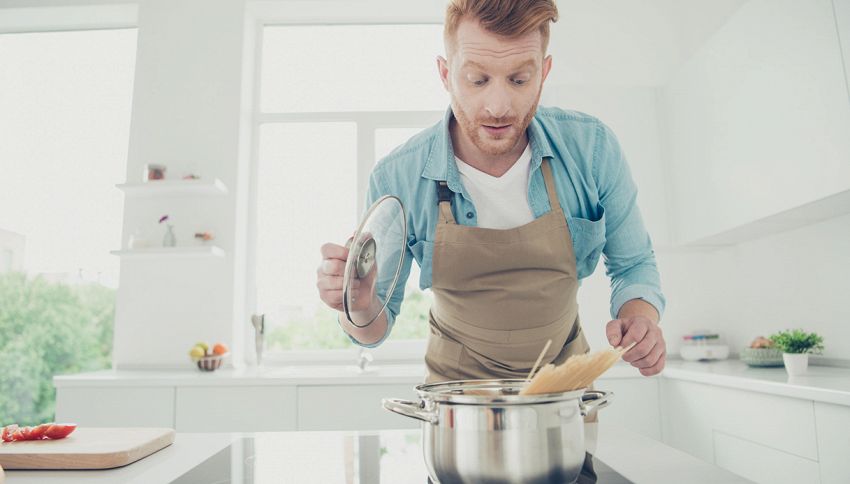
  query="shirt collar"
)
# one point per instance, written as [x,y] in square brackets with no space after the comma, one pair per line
[441,159]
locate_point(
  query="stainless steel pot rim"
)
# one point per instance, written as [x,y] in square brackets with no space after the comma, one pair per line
[489,392]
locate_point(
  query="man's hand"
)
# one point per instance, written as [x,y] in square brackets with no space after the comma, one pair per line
[650,352]
[329,275]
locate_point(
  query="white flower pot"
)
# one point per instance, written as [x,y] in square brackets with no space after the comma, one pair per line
[796,363]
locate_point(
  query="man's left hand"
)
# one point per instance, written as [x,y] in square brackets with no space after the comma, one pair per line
[650,352]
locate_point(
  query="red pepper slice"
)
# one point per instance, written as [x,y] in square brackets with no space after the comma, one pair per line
[37,433]
[7,432]
[60,431]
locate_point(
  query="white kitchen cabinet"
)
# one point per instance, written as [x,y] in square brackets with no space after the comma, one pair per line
[787,424]
[762,464]
[634,406]
[686,424]
[236,408]
[351,407]
[116,406]
[694,412]
[833,427]
[759,123]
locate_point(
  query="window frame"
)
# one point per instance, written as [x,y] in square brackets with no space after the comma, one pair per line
[366,122]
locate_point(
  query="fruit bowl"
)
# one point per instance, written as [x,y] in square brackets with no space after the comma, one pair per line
[762,357]
[211,362]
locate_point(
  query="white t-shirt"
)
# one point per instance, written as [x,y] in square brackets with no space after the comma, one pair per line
[501,202]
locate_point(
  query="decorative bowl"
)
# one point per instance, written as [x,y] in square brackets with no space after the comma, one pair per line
[211,362]
[762,357]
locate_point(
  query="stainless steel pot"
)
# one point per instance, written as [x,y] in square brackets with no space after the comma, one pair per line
[476,431]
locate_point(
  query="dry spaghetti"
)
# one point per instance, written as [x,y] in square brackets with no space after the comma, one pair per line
[579,371]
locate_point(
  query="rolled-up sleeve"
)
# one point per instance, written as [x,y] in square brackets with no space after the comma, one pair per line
[629,257]
[377,189]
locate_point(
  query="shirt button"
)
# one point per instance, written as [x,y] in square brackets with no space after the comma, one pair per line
[469,214]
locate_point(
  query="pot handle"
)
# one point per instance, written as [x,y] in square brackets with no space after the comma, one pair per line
[594,400]
[411,409]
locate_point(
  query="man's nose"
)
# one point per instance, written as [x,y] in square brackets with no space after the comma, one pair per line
[498,102]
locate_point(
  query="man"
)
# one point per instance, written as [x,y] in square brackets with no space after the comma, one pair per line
[509,206]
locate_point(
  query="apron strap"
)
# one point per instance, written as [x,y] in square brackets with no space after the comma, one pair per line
[554,203]
[444,197]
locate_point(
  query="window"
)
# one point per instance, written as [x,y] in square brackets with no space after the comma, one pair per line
[333,100]
[65,101]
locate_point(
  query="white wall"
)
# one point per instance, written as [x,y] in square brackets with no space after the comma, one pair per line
[625,43]
[799,278]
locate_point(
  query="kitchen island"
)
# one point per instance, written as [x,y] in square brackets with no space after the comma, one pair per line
[389,456]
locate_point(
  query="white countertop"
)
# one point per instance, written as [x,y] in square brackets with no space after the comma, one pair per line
[820,383]
[328,456]
[284,375]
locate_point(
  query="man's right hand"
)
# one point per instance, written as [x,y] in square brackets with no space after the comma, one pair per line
[329,282]
[329,275]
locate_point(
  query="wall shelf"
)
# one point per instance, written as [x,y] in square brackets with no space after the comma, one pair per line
[156,188]
[196,251]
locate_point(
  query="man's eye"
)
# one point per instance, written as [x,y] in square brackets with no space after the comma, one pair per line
[479,82]
[519,82]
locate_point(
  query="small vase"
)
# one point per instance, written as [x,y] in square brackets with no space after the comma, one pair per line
[169,240]
[796,363]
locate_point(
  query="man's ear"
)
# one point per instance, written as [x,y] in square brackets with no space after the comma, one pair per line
[547,66]
[443,68]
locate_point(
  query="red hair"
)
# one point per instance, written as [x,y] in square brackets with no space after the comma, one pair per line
[508,18]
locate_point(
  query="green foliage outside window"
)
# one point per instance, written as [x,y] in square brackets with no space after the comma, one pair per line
[48,329]
[323,331]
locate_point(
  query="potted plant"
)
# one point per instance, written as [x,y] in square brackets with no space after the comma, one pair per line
[796,345]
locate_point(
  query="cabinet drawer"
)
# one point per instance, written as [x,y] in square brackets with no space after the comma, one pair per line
[351,407]
[833,423]
[692,410]
[236,409]
[762,464]
[687,414]
[786,424]
[116,407]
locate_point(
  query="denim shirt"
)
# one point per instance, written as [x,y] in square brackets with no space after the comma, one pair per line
[594,186]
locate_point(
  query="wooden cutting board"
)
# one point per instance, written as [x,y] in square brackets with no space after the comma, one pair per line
[86,448]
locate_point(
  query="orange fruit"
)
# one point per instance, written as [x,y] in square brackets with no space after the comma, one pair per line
[220,349]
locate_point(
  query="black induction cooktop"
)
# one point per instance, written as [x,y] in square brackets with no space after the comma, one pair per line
[331,457]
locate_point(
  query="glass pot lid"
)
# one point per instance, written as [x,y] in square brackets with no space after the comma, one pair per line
[376,253]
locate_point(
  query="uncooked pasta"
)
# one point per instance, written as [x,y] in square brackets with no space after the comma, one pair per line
[579,371]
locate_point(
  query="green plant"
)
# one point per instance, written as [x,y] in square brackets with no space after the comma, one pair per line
[797,341]
[47,329]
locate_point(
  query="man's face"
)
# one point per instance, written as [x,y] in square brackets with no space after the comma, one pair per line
[495,85]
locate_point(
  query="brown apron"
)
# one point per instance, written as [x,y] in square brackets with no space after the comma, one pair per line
[499,295]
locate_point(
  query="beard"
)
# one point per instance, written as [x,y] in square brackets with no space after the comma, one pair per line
[493,144]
